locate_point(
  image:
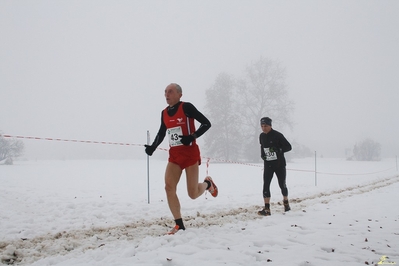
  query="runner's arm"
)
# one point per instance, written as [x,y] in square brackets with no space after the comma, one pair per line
[190,111]
[161,133]
[262,150]
[285,145]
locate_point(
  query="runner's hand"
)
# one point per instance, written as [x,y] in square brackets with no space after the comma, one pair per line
[186,140]
[275,149]
[149,149]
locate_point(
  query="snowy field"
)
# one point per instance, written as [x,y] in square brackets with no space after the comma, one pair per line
[97,213]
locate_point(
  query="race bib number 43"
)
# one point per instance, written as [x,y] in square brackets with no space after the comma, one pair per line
[270,155]
[174,133]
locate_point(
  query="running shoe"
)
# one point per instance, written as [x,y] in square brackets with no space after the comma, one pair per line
[264,212]
[173,230]
[286,206]
[213,189]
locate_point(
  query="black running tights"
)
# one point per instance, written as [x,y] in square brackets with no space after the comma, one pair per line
[267,179]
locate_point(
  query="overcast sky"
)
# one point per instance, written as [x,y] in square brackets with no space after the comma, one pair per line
[97,70]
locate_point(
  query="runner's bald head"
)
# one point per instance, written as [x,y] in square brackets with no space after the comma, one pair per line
[178,88]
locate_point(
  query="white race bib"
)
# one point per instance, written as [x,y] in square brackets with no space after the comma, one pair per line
[173,134]
[270,155]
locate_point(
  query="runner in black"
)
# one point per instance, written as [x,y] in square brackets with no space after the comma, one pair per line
[273,146]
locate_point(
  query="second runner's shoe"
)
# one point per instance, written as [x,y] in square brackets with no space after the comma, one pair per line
[286,206]
[264,212]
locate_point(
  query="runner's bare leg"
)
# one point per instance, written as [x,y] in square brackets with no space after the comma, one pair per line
[172,177]
[194,189]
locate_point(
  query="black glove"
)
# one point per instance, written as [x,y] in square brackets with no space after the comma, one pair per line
[149,149]
[186,140]
[263,158]
[275,149]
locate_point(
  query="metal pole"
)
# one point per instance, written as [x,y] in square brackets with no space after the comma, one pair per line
[315,169]
[148,169]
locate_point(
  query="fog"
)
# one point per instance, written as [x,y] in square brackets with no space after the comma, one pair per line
[97,70]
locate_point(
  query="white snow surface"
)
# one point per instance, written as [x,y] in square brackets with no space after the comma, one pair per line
[97,213]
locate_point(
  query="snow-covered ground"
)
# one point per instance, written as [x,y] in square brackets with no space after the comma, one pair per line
[97,213]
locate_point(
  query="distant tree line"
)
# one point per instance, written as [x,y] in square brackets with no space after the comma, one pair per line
[299,151]
[235,105]
[366,150]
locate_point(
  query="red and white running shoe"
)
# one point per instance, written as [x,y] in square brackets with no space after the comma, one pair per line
[173,230]
[213,189]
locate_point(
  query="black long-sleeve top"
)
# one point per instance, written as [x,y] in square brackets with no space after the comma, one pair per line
[276,140]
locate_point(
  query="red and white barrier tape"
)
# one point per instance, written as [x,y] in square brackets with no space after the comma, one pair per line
[207,162]
[71,140]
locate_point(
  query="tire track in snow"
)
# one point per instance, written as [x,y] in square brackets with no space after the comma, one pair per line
[26,251]
[325,197]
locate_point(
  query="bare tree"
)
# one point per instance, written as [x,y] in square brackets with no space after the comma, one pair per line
[367,150]
[263,92]
[10,149]
[224,138]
